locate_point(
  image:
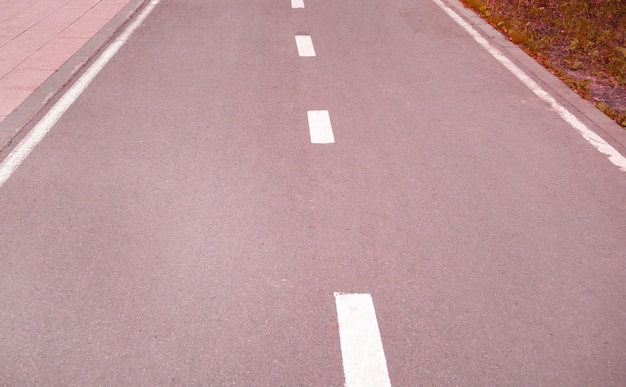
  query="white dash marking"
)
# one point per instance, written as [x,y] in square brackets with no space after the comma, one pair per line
[305,45]
[34,137]
[320,130]
[297,3]
[595,140]
[364,362]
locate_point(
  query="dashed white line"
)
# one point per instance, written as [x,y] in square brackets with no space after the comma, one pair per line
[305,45]
[320,129]
[297,3]
[364,362]
[34,137]
[595,140]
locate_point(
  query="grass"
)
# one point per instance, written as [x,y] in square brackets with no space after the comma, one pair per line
[581,41]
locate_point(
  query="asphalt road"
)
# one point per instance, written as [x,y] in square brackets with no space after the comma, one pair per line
[178,227]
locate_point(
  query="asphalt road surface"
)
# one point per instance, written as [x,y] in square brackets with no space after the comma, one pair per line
[178,226]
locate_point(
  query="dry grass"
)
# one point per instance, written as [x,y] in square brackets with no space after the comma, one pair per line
[581,41]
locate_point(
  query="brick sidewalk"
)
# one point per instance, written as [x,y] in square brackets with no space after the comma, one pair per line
[38,36]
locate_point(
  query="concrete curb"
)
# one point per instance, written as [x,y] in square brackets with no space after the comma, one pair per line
[41,98]
[584,110]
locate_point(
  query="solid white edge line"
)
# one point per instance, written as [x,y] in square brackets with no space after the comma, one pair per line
[297,3]
[30,141]
[594,139]
[320,129]
[305,45]
[364,362]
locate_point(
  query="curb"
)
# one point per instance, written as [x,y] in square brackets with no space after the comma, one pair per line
[41,98]
[584,110]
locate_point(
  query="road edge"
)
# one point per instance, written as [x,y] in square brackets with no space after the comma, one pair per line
[583,109]
[66,74]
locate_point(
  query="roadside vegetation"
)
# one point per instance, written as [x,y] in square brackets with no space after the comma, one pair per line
[581,41]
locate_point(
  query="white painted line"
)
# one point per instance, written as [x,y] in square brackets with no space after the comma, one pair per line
[364,362]
[297,3]
[596,141]
[305,45]
[28,143]
[320,130]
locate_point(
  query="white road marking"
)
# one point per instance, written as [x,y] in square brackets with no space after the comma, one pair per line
[305,45]
[297,3]
[364,362]
[28,143]
[595,140]
[320,130]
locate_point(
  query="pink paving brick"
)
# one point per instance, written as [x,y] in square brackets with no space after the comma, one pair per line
[82,4]
[29,17]
[24,79]
[23,46]
[58,21]
[16,86]
[4,40]
[9,9]
[93,20]
[11,99]
[38,36]
[116,3]
[84,27]
[53,54]
[7,65]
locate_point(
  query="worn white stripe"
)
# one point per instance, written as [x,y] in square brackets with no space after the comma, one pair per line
[28,143]
[320,129]
[364,362]
[305,45]
[297,3]
[595,140]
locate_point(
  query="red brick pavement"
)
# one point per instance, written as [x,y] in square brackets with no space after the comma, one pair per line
[38,36]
